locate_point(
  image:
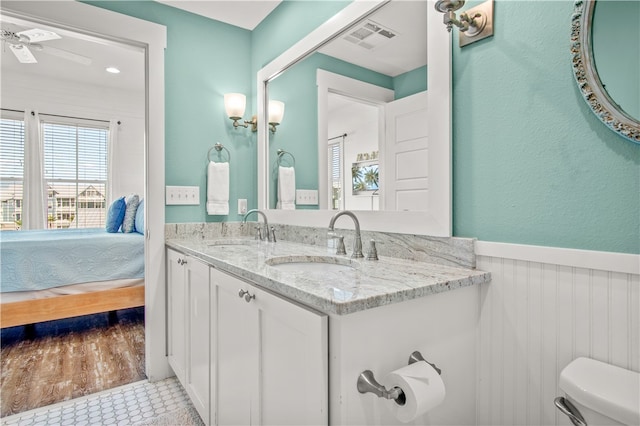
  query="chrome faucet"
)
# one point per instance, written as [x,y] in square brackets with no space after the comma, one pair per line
[357,242]
[266,223]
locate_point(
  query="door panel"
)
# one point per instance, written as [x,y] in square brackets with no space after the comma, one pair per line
[406,155]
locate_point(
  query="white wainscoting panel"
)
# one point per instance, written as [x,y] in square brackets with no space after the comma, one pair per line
[540,312]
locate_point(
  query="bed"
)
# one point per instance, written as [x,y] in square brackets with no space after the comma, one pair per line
[54,274]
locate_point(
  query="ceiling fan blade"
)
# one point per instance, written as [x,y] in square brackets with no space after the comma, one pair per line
[65,54]
[23,53]
[36,35]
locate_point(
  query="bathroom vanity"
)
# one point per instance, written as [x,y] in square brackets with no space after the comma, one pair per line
[277,333]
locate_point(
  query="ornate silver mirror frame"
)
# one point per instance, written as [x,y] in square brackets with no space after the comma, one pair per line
[586,76]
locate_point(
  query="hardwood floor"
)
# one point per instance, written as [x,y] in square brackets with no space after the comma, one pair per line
[59,360]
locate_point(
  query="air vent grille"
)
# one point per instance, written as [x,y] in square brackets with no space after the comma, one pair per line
[370,35]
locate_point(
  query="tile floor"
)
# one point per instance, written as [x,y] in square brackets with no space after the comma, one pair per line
[126,405]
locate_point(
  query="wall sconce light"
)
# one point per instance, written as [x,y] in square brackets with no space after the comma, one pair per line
[235,104]
[474,24]
[276,113]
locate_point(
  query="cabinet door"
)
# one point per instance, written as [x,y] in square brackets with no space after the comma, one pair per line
[176,313]
[236,357]
[198,334]
[293,342]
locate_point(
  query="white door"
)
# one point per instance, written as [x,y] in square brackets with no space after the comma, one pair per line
[198,370]
[176,313]
[293,385]
[404,178]
[236,358]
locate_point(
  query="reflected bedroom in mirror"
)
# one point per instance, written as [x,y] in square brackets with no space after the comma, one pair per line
[350,122]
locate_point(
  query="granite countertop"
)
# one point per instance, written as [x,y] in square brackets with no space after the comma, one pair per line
[339,292]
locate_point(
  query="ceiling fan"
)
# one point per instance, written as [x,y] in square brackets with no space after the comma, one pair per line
[21,43]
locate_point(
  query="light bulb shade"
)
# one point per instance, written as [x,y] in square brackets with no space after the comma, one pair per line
[276,112]
[234,104]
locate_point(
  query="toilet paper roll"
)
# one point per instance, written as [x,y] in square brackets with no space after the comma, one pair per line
[423,389]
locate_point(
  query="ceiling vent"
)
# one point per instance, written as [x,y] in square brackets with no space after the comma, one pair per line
[370,35]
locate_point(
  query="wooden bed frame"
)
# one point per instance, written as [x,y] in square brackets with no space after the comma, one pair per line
[38,310]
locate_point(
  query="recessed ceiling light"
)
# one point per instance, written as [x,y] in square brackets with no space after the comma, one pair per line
[113,70]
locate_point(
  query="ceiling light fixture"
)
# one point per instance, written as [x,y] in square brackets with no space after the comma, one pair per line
[113,70]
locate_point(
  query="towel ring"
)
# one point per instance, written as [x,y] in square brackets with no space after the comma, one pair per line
[219,147]
[282,152]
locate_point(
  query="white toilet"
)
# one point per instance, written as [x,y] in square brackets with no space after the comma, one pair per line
[603,394]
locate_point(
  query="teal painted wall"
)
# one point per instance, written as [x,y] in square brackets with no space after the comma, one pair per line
[532,164]
[288,23]
[410,83]
[204,60]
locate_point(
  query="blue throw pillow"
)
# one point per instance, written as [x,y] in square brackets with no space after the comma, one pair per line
[128,223]
[115,216]
[140,218]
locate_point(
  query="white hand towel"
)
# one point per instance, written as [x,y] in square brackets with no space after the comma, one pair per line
[286,188]
[218,188]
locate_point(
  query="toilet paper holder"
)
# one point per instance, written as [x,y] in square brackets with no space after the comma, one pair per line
[368,383]
[417,356]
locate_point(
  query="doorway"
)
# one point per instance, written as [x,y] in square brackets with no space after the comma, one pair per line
[151,38]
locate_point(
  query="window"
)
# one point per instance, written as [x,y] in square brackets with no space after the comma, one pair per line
[335,175]
[75,159]
[75,163]
[11,171]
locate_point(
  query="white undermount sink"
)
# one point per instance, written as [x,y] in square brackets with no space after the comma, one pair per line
[312,263]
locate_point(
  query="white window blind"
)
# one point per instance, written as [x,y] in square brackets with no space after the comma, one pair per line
[75,161]
[11,171]
[75,157]
[335,175]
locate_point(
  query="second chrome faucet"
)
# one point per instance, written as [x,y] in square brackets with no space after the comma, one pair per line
[270,233]
[357,242]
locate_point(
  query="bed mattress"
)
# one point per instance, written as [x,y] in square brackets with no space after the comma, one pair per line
[40,260]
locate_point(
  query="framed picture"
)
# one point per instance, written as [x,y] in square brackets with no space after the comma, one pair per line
[364,177]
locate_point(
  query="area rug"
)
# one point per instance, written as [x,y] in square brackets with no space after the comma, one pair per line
[184,416]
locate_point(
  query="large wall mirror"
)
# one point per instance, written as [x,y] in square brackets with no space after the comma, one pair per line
[605,44]
[350,87]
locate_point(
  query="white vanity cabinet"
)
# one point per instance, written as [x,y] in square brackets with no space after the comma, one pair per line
[287,347]
[244,355]
[189,312]
[271,357]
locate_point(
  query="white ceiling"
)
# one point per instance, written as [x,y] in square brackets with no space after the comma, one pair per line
[245,14]
[103,54]
[407,19]
[406,51]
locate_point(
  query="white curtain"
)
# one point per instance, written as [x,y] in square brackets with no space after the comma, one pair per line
[34,192]
[111,160]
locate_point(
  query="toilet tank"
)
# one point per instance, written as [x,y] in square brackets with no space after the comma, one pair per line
[609,390]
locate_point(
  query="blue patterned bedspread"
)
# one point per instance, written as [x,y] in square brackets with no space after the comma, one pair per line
[36,260]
